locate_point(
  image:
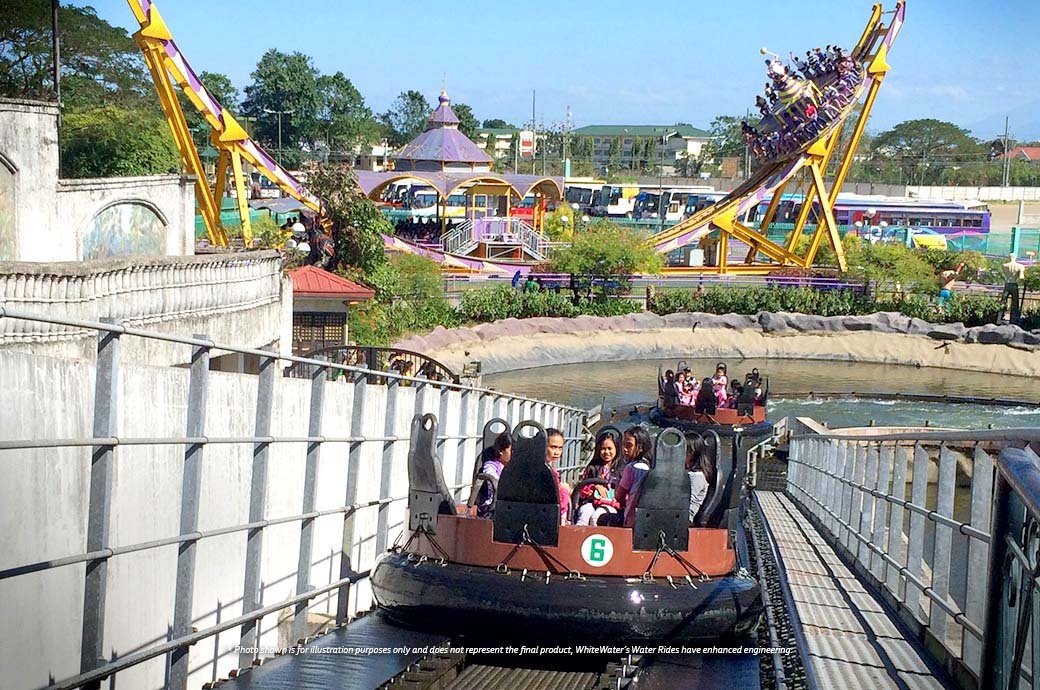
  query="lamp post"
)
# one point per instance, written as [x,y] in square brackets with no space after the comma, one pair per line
[279,113]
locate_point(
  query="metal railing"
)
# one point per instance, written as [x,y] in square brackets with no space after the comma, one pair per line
[912,512]
[270,471]
[1013,624]
[403,362]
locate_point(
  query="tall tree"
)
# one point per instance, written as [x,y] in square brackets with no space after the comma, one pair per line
[345,120]
[406,117]
[288,84]
[101,64]
[926,147]
[110,141]
[468,124]
[496,123]
[727,139]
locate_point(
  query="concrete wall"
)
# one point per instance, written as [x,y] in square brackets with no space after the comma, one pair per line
[240,299]
[44,500]
[52,217]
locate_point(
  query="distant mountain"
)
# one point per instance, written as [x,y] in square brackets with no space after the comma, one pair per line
[1023,124]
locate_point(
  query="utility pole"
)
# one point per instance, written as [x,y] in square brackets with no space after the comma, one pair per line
[55,46]
[279,113]
[534,136]
[1006,168]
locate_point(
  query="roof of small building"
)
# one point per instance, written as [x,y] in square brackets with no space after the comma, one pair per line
[442,141]
[639,131]
[310,281]
[1030,153]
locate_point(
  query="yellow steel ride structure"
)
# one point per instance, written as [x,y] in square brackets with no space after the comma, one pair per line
[807,168]
[168,68]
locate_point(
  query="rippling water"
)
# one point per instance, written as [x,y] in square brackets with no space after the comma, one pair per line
[619,384]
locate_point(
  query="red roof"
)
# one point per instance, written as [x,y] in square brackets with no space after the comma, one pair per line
[1029,153]
[310,281]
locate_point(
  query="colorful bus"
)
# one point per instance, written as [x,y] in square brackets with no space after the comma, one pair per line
[672,200]
[940,216]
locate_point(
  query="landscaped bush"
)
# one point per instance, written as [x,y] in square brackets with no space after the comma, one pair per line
[972,310]
[504,302]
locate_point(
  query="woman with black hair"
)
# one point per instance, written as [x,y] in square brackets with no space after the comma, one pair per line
[597,500]
[495,459]
[700,467]
[638,449]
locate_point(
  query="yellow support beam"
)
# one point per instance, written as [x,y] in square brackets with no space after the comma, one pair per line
[153,57]
[827,223]
[241,196]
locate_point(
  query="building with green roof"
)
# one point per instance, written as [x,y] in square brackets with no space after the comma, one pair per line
[678,141]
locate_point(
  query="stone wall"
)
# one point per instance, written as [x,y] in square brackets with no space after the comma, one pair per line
[887,338]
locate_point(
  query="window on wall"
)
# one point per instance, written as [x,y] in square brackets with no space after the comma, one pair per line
[316,330]
[8,231]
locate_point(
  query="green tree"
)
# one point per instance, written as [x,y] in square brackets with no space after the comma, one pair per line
[101,64]
[609,253]
[357,223]
[284,82]
[497,124]
[406,117]
[727,139]
[344,119]
[468,124]
[924,148]
[614,155]
[109,141]
[489,145]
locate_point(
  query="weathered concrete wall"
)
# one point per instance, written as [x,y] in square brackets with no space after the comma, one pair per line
[240,299]
[170,197]
[52,216]
[44,500]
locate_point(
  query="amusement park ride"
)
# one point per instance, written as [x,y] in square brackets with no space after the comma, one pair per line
[801,165]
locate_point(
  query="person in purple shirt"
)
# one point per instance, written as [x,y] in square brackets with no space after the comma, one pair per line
[638,449]
[495,459]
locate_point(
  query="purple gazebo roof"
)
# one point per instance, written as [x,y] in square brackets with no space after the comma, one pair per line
[442,142]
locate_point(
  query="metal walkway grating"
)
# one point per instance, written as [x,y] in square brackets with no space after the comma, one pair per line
[852,642]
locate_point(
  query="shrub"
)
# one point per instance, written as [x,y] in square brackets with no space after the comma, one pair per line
[974,310]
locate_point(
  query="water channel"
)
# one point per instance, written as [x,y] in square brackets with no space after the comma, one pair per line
[621,384]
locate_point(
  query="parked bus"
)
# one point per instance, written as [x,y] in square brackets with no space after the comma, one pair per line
[672,200]
[940,216]
[584,193]
[616,200]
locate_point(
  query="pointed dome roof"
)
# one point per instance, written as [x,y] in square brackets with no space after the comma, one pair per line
[443,116]
[442,142]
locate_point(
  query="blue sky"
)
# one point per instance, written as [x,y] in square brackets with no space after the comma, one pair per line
[612,62]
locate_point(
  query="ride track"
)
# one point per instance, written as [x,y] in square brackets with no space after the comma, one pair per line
[812,159]
[168,66]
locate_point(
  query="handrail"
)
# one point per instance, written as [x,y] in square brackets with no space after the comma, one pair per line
[859,489]
[1014,567]
[396,359]
[367,413]
[6,312]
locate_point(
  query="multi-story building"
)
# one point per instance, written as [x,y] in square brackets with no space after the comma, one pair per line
[677,141]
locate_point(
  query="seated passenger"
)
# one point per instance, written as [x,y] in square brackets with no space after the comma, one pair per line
[668,388]
[745,401]
[553,453]
[680,387]
[706,401]
[638,448]
[595,501]
[720,374]
[700,467]
[495,459]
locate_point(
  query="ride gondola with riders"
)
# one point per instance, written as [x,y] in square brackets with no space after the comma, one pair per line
[646,551]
